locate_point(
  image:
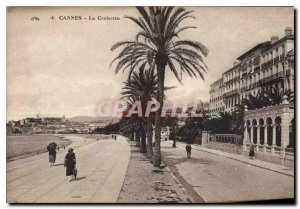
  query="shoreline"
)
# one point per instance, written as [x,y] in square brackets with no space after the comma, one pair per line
[67,142]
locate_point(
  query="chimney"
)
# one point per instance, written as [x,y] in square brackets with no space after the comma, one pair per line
[274,39]
[288,31]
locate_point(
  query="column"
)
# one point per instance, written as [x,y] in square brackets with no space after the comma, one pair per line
[252,131]
[258,134]
[274,135]
[245,140]
[273,139]
[285,123]
[265,138]
[258,138]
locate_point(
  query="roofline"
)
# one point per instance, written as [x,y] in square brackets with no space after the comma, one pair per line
[260,45]
[216,81]
[237,65]
[291,37]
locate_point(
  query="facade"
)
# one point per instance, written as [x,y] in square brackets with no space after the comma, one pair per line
[231,83]
[264,67]
[216,103]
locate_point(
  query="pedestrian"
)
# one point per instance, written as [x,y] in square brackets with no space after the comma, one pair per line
[70,164]
[188,149]
[251,152]
[112,136]
[173,137]
[52,153]
[115,137]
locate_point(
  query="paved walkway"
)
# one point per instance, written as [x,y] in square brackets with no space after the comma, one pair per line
[245,159]
[218,177]
[101,167]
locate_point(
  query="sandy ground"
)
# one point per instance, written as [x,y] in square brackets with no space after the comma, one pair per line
[143,185]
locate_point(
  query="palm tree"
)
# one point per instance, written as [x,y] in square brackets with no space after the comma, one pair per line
[142,86]
[158,45]
[273,96]
[134,124]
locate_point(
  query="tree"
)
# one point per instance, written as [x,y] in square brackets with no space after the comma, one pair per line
[158,45]
[142,86]
[270,97]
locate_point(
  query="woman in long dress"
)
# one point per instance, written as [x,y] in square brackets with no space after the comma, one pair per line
[70,162]
[251,152]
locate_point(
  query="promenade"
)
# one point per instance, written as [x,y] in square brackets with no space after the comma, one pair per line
[101,167]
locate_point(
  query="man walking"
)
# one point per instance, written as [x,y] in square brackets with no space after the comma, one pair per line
[52,153]
[188,149]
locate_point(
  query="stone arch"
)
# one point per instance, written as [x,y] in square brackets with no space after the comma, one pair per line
[254,126]
[269,131]
[292,133]
[278,131]
[262,131]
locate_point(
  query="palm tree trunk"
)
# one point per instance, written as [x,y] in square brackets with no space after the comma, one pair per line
[149,138]
[160,94]
[132,136]
[143,148]
[138,138]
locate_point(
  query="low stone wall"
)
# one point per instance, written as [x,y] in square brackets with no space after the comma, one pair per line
[275,157]
[226,147]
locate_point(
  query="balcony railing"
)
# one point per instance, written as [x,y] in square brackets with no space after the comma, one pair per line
[267,64]
[244,88]
[256,68]
[233,80]
[235,91]
[271,77]
[253,85]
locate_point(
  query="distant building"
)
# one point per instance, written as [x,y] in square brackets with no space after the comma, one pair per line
[100,124]
[265,66]
[216,103]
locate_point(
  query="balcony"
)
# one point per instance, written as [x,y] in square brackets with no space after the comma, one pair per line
[245,88]
[271,78]
[253,85]
[267,64]
[256,68]
[233,80]
[233,92]
[276,59]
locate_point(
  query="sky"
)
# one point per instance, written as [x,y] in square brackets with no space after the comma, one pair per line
[62,67]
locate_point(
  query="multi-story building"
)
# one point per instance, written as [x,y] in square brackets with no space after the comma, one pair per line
[231,83]
[216,103]
[263,67]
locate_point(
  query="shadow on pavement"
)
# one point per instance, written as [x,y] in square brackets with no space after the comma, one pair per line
[80,178]
[58,164]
